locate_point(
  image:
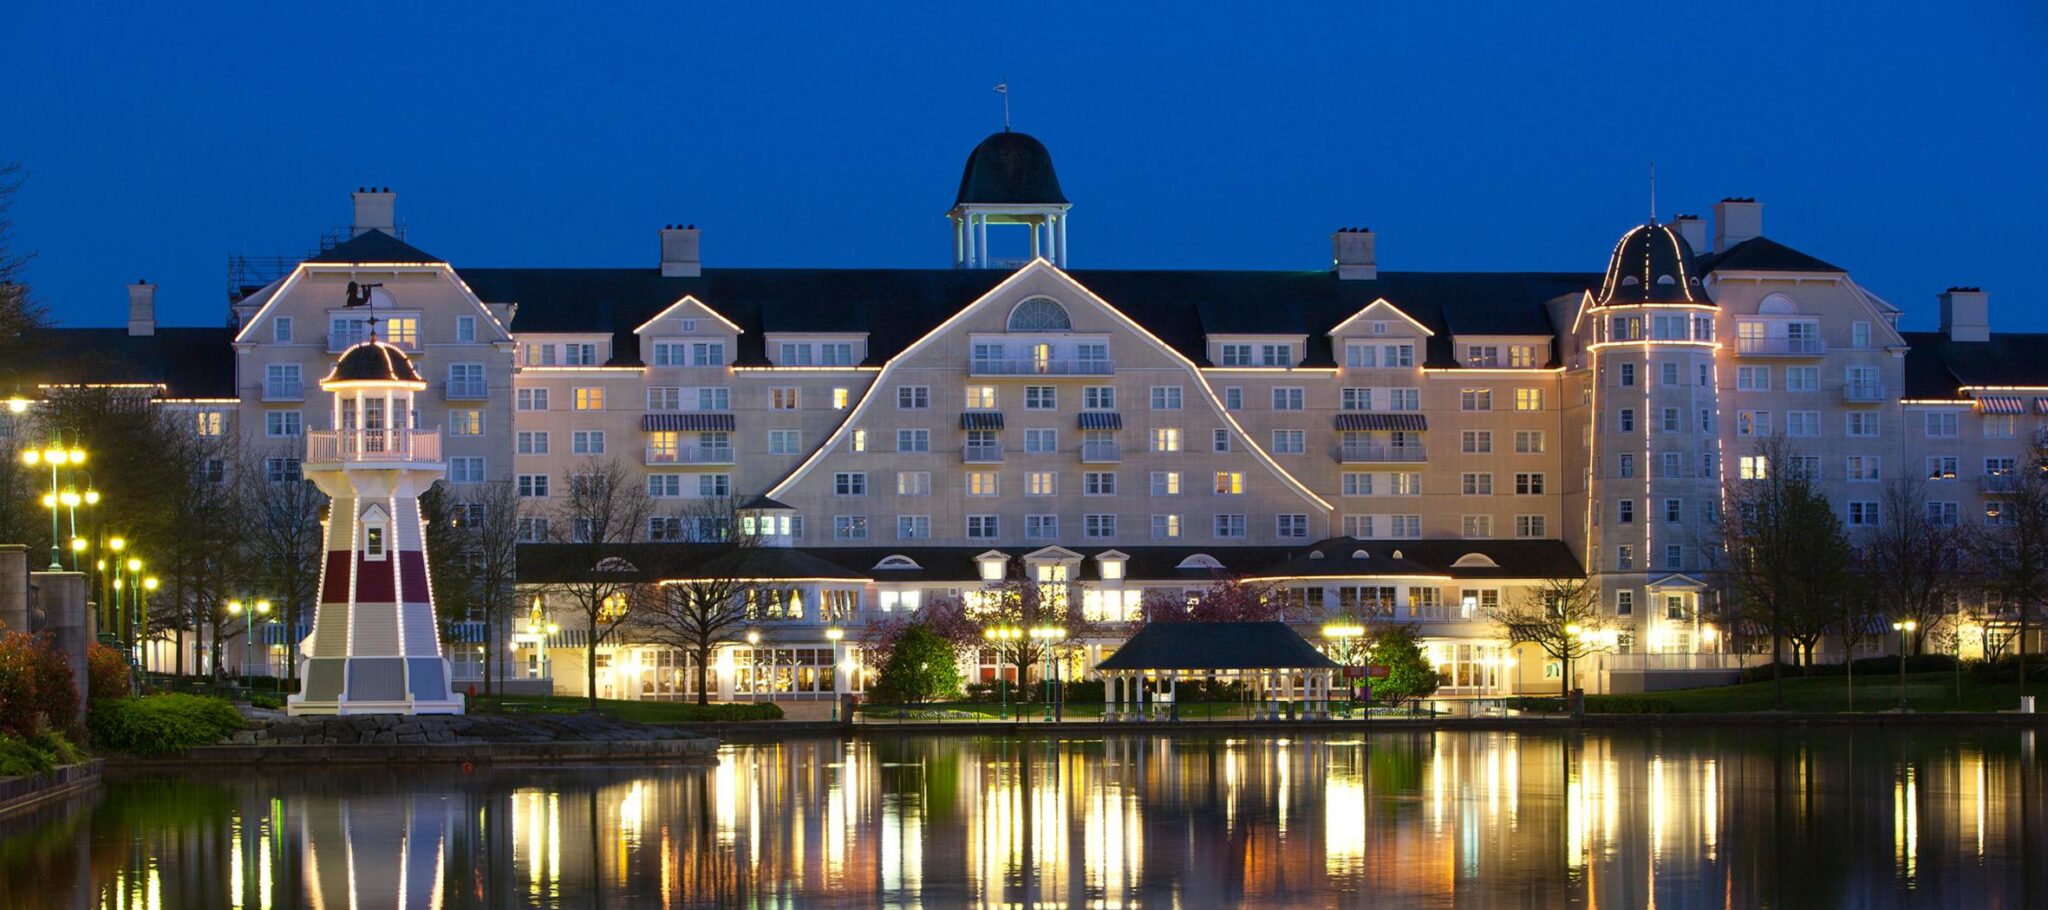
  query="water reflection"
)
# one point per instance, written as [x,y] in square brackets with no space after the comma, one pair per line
[1632,819]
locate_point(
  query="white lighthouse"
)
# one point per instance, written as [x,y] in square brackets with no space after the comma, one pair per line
[373,649]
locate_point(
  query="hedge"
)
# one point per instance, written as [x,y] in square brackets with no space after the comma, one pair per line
[733,711]
[156,724]
[1865,666]
[35,685]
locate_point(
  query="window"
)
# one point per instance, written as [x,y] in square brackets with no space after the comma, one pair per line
[1291,526]
[980,398]
[784,442]
[1404,399]
[1041,483]
[1672,422]
[584,355]
[1165,527]
[1166,483]
[1040,398]
[532,486]
[982,527]
[1753,379]
[1166,398]
[1229,483]
[1166,439]
[1863,514]
[1531,526]
[1475,399]
[1219,441]
[589,398]
[916,440]
[1475,442]
[210,423]
[1476,483]
[1476,527]
[1289,442]
[1359,356]
[849,527]
[1802,423]
[981,483]
[1397,355]
[465,422]
[1753,467]
[1999,426]
[1625,465]
[1628,374]
[914,398]
[281,329]
[1674,559]
[1233,398]
[1859,334]
[782,399]
[665,486]
[1404,526]
[1667,373]
[1942,514]
[1624,603]
[1941,424]
[1528,399]
[532,530]
[1229,526]
[1528,442]
[466,469]
[1482,355]
[1236,355]
[1355,399]
[1357,484]
[1627,420]
[1752,423]
[1098,398]
[1528,484]
[282,423]
[1041,440]
[1998,513]
[1625,512]
[1625,557]
[1360,526]
[1098,483]
[1041,527]
[281,470]
[1405,483]
[850,483]
[1862,468]
[913,483]
[1941,467]
[913,527]
[1096,527]
[281,381]
[536,355]
[1287,399]
[840,399]
[586,442]
[1862,424]
[531,442]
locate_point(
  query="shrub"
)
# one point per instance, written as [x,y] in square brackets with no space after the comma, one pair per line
[2007,670]
[1086,690]
[157,724]
[106,673]
[921,668]
[1409,672]
[730,712]
[35,685]
[38,753]
[1629,704]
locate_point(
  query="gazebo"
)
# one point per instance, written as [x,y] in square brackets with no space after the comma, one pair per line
[1278,664]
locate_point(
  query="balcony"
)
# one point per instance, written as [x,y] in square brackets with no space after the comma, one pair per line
[1779,346]
[467,390]
[332,446]
[1863,393]
[1998,483]
[1101,453]
[284,390]
[1029,366]
[661,455]
[982,453]
[1379,453]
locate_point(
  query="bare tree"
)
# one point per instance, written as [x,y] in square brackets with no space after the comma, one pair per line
[710,604]
[1913,566]
[279,526]
[490,534]
[1562,617]
[20,312]
[605,508]
[2011,554]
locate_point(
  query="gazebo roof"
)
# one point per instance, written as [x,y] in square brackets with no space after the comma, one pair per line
[1217,646]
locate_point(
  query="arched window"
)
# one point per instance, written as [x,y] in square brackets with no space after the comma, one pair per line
[615,564]
[1199,561]
[1777,304]
[1040,314]
[897,562]
[1475,561]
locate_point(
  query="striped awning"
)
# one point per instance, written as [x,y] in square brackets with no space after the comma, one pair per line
[687,423]
[2002,404]
[981,420]
[1101,420]
[2041,405]
[1356,422]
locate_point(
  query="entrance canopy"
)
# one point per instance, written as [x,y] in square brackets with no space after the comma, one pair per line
[1221,646]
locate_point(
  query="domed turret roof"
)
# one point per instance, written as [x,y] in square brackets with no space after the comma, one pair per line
[1010,169]
[1651,264]
[373,361]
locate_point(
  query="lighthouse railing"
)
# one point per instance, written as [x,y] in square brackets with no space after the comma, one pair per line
[373,445]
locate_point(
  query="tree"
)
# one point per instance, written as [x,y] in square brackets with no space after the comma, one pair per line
[921,667]
[2011,552]
[20,312]
[1913,566]
[1781,560]
[1017,606]
[605,508]
[281,537]
[1226,600]
[1562,617]
[1409,672]
[490,535]
[709,607]
[448,558]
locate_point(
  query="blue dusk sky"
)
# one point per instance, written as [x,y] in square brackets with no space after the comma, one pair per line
[1902,141]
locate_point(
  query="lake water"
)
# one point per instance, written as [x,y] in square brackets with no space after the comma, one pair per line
[1734,817]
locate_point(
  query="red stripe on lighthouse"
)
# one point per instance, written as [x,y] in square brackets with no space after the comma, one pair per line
[334,590]
[375,581]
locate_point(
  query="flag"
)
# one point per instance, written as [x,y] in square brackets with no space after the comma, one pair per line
[1002,88]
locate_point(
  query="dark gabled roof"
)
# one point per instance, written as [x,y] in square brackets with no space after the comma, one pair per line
[898,306]
[1651,263]
[1762,254]
[375,246]
[948,564]
[187,362]
[1936,367]
[1009,169]
[1434,556]
[1216,646]
[373,361]
[553,563]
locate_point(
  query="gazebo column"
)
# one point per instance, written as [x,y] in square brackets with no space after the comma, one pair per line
[1173,695]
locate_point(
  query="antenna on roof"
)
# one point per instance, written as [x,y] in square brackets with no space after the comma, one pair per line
[1653,192]
[1003,89]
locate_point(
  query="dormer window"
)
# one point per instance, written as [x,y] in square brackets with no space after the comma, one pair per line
[991,566]
[376,539]
[1040,314]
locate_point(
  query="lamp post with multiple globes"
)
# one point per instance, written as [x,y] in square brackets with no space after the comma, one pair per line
[248,613]
[57,456]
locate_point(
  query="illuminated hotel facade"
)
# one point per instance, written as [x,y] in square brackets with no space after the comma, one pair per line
[1384,446]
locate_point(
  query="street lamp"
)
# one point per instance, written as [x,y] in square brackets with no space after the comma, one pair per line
[833,635]
[56,456]
[236,608]
[1047,635]
[541,645]
[1904,629]
[1003,634]
[1344,635]
[754,663]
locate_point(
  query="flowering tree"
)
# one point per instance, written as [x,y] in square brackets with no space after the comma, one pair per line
[1226,600]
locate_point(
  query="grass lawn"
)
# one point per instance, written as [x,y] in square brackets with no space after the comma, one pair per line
[644,712]
[1924,692]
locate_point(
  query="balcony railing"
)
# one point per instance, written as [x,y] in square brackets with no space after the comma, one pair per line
[1777,346]
[689,455]
[1030,366]
[1998,483]
[1863,392]
[1101,453]
[467,390]
[982,453]
[284,390]
[1688,660]
[328,446]
[1373,452]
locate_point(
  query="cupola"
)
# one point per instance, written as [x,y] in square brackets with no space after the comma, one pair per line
[1009,180]
[1651,264]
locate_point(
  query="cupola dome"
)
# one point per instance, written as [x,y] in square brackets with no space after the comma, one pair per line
[1010,169]
[374,361]
[1651,264]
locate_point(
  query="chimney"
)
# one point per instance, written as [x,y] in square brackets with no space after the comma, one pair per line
[1693,230]
[376,210]
[142,308]
[680,253]
[1355,254]
[1736,220]
[1966,314]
